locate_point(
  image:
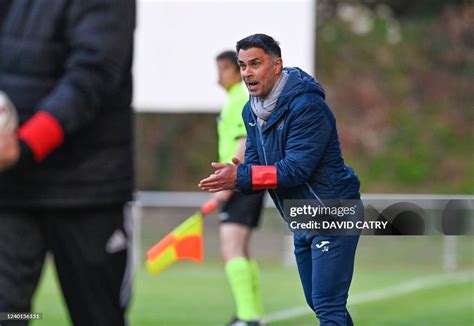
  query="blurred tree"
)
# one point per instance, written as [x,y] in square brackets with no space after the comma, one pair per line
[400,7]
[405,108]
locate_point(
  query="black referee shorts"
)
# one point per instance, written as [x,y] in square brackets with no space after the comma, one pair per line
[243,209]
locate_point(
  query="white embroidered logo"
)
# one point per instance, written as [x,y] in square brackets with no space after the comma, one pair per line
[323,245]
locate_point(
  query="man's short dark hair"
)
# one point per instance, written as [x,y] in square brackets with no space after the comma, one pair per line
[231,56]
[261,41]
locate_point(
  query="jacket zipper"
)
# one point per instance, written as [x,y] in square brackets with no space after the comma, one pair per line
[314,194]
[266,163]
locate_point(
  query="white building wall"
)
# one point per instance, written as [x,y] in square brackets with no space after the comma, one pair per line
[177,42]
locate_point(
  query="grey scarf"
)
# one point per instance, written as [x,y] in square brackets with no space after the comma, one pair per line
[264,108]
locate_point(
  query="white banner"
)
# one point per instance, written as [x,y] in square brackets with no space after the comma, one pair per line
[177,42]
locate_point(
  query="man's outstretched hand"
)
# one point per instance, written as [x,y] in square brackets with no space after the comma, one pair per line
[223,178]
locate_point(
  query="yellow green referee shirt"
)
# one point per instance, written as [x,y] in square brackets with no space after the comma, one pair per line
[230,126]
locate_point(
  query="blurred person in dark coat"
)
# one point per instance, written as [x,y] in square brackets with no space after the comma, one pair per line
[67,171]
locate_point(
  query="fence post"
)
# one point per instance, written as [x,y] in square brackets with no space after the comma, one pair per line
[449,253]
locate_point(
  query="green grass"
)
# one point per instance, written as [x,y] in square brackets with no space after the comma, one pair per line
[444,305]
[195,295]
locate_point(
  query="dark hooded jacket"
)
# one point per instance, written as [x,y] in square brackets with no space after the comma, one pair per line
[71,60]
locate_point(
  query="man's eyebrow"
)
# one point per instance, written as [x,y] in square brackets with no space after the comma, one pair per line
[250,61]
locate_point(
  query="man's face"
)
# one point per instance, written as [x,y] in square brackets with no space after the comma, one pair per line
[228,74]
[259,71]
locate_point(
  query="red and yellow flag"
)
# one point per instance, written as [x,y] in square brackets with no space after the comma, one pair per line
[184,242]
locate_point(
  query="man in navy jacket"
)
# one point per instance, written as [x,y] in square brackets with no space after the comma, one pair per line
[293,151]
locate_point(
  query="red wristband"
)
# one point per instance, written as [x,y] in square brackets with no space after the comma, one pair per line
[42,133]
[264,177]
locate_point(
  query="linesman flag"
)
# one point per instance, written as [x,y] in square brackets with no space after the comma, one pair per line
[184,242]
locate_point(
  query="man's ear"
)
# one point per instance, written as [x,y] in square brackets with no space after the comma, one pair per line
[278,66]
